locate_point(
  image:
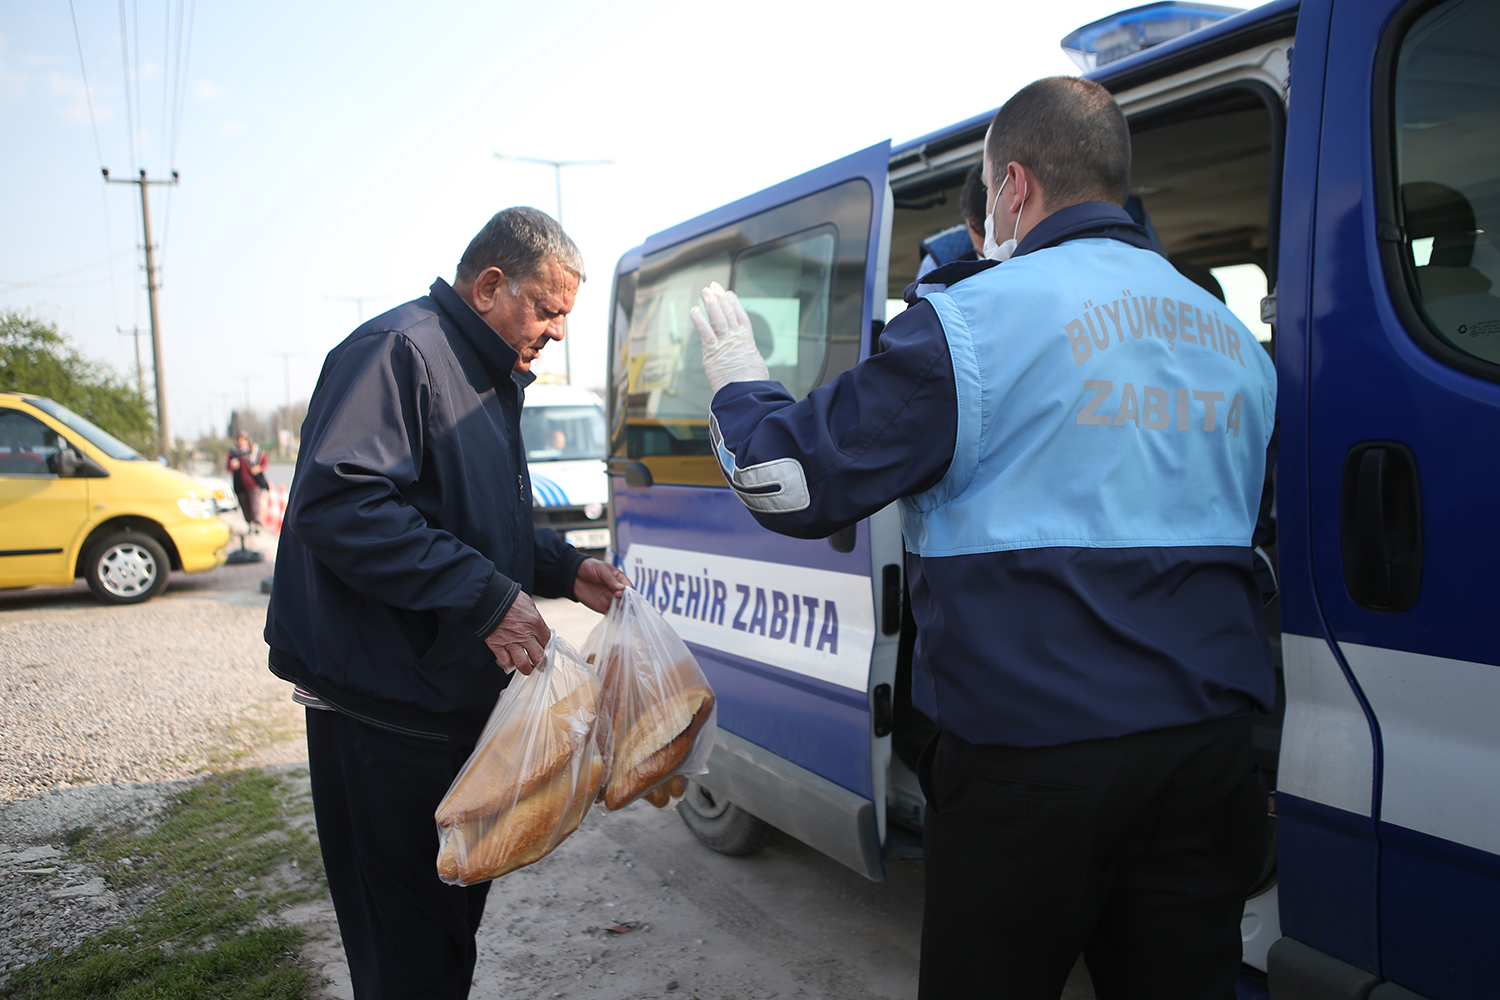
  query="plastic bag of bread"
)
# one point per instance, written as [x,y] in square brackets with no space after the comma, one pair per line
[657,719]
[533,774]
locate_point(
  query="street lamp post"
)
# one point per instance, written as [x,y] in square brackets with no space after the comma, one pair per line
[557,169]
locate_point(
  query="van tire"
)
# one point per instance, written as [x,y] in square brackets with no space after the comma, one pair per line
[720,825]
[126,567]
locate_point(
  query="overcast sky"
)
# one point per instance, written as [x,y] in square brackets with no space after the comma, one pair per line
[336,149]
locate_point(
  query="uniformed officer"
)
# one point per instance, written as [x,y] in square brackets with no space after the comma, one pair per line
[1077,437]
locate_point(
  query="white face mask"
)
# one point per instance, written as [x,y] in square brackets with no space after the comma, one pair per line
[1001,251]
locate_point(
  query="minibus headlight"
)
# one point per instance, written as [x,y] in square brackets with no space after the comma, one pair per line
[592,511]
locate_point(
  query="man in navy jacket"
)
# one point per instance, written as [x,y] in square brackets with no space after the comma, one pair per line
[402,586]
[1076,435]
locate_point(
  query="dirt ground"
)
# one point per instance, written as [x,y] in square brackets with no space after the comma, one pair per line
[122,704]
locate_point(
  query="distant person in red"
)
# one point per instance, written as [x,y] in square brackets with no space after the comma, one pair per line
[247,463]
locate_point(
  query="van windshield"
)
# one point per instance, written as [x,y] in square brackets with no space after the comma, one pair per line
[101,439]
[560,433]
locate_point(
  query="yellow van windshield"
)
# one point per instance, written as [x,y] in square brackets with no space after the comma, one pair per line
[94,435]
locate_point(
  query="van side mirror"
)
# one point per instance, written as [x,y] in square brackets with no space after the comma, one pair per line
[68,463]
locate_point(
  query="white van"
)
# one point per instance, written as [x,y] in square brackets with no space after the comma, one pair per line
[563,428]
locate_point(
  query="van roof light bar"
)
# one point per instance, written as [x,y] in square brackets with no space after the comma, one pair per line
[1113,38]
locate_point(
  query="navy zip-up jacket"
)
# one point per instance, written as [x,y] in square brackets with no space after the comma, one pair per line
[1066,640]
[408,532]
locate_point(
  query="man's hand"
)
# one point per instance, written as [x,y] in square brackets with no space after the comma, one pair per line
[729,351]
[521,637]
[598,583]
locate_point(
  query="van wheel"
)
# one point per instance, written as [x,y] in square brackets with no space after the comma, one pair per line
[720,824]
[126,568]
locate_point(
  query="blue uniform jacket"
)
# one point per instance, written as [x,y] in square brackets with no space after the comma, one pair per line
[1074,575]
[408,532]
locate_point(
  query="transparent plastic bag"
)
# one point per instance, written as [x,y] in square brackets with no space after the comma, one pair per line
[533,774]
[657,713]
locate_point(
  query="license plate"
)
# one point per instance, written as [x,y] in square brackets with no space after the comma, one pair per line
[588,538]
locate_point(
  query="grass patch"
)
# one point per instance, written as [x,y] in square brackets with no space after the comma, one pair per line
[221,860]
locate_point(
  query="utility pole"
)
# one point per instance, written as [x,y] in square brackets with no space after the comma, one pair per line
[286,412]
[557,169]
[140,376]
[163,434]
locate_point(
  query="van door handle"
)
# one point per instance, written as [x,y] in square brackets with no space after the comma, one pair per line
[1381,526]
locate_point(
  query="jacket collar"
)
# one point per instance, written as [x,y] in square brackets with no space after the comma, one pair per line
[1088,219]
[498,357]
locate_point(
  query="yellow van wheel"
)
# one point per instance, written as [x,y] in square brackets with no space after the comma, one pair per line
[127,567]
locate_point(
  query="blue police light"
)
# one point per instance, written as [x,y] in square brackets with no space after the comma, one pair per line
[1112,38]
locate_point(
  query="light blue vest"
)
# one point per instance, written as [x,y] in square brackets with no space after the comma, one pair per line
[1104,401]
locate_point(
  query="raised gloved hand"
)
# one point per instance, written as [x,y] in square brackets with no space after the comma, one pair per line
[729,352]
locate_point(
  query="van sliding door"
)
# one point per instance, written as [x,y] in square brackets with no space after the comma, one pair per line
[784,628]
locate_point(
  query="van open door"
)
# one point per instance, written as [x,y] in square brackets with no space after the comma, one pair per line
[786,629]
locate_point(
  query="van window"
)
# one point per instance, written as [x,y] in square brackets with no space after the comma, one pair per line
[562,433]
[799,269]
[1447,131]
[93,434]
[785,290]
[28,447]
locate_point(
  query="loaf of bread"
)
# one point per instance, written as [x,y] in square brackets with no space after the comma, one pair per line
[525,832]
[525,789]
[662,795]
[522,756]
[653,745]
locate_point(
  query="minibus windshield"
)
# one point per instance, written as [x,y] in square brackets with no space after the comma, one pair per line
[561,433]
[101,439]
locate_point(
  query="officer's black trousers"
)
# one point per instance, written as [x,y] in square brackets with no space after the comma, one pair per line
[406,933]
[1135,852]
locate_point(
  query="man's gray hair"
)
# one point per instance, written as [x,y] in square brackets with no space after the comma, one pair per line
[519,241]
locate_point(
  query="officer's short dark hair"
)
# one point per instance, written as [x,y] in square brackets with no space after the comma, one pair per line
[519,241]
[1072,135]
[973,199]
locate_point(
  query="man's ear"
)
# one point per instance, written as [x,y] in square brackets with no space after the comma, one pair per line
[487,288]
[1019,188]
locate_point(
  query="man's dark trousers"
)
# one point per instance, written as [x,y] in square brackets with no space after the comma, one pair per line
[1135,852]
[406,933]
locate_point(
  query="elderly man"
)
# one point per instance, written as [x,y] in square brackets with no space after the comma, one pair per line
[403,580]
[1077,437]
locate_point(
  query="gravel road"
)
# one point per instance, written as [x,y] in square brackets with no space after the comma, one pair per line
[150,692]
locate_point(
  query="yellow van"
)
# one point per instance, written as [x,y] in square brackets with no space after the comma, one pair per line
[75,501]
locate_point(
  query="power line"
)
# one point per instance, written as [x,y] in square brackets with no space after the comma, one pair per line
[140,118]
[125,73]
[166,79]
[88,95]
[179,100]
[187,52]
[109,242]
[68,273]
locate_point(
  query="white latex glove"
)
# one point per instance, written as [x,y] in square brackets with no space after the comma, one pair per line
[729,352]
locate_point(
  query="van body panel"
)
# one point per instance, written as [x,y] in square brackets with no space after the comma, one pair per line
[869,163]
[41,519]
[822,814]
[704,542]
